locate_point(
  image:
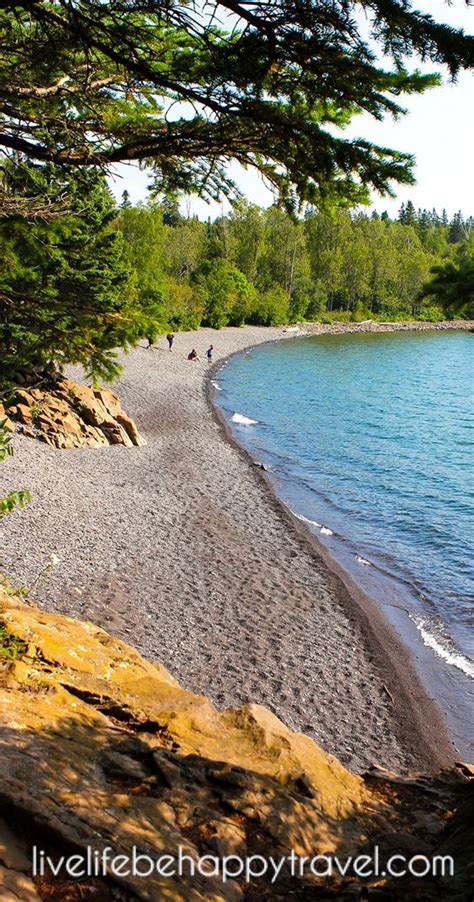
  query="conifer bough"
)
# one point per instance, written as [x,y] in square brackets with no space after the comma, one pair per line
[187,87]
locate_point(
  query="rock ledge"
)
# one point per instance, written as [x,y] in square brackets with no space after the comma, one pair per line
[101,748]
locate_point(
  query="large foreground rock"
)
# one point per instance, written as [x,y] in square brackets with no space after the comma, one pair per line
[65,414]
[101,748]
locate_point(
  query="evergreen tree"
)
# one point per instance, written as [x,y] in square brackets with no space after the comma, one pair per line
[66,291]
[457,230]
[266,84]
[452,285]
[170,210]
[410,216]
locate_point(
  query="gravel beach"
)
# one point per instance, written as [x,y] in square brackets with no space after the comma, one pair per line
[181,549]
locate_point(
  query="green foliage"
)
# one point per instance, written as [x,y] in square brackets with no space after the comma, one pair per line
[6,447]
[261,266]
[229,295]
[452,285]
[74,288]
[12,500]
[9,588]
[15,498]
[187,88]
[184,304]
[144,233]
[11,647]
[67,291]
[272,308]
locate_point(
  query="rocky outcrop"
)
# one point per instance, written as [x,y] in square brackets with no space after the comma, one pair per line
[101,748]
[68,415]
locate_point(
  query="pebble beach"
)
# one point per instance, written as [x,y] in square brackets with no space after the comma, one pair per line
[181,549]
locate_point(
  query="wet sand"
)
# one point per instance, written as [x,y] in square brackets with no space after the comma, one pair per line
[182,549]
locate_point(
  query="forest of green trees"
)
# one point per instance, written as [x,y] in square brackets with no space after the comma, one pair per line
[261,266]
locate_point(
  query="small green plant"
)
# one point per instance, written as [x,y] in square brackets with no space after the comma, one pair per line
[8,588]
[11,647]
[35,586]
[42,577]
[35,411]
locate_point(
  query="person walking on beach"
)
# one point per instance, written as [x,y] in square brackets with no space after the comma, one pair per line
[209,353]
[170,340]
[150,342]
[193,355]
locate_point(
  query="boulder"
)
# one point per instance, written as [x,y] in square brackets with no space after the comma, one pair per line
[68,415]
[101,748]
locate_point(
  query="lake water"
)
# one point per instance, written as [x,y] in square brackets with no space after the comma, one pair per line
[369,439]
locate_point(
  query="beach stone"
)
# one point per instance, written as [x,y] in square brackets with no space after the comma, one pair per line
[69,415]
[104,748]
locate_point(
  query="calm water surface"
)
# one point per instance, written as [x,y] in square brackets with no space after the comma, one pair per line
[369,438]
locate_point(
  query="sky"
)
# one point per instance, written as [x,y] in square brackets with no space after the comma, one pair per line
[438,129]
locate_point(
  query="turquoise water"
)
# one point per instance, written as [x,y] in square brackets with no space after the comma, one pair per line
[369,439]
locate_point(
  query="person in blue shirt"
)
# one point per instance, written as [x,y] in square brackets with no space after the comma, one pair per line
[209,353]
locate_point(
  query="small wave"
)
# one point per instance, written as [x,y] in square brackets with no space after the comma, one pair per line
[216,385]
[243,421]
[442,649]
[305,520]
[324,530]
[362,560]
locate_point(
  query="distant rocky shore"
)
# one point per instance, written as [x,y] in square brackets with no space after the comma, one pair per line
[374,326]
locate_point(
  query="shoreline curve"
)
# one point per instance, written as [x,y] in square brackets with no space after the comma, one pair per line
[181,549]
[418,719]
